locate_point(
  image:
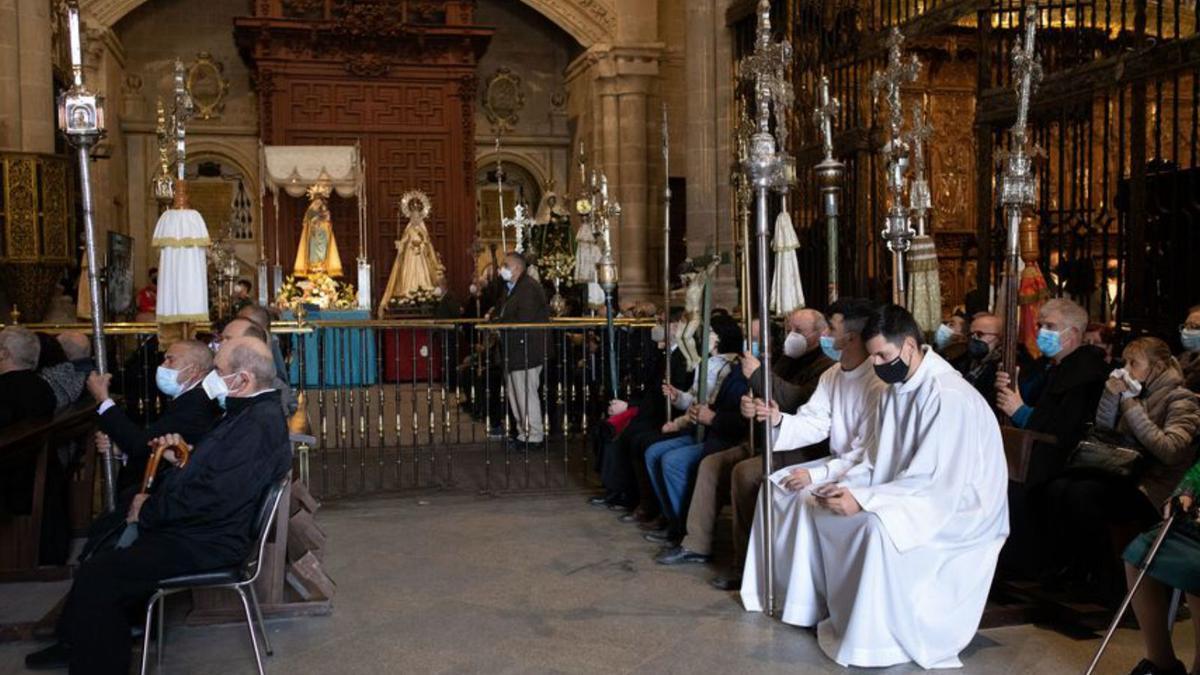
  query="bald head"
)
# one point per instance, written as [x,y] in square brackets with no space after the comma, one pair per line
[242,327]
[807,321]
[247,366]
[258,314]
[75,345]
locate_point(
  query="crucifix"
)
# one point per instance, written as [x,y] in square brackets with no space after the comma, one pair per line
[830,173]
[887,84]
[518,223]
[919,201]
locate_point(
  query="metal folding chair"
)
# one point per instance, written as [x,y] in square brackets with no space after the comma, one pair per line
[239,579]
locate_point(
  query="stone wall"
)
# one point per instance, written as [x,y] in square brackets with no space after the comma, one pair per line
[153,36]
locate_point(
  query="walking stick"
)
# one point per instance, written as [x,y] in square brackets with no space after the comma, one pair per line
[1112,628]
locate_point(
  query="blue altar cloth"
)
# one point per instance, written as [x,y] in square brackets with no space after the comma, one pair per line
[335,357]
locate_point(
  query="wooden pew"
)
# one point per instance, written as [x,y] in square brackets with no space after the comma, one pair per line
[38,441]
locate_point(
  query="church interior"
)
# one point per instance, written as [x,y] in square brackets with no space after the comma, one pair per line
[608,335]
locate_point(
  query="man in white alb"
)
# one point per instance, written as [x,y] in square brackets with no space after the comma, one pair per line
[904,546]
[837,411]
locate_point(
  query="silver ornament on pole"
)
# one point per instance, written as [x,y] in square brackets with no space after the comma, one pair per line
[81,120]
[897,232]
[830,174]
[670,339]
[768,168]
[605,210]
[1018,186]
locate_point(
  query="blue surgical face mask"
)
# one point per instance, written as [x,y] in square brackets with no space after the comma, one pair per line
[755,349]
[167,380]
[827,347]
[1049,342]
[1190,337]
[942,336]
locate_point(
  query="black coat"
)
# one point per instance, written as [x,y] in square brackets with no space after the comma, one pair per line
[1068,395]
[191,416]
[526,303]
[208,507]
[24,396]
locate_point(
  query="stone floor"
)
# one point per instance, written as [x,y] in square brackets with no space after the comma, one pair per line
[538,584]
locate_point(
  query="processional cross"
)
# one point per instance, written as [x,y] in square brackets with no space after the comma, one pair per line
[887,83]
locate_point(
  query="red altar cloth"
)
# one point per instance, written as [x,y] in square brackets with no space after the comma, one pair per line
[399,345]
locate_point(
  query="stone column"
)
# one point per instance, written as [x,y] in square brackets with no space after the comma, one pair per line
[621,79]
[709,69]
[27,116]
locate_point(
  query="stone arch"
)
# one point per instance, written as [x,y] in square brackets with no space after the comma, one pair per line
[588,21]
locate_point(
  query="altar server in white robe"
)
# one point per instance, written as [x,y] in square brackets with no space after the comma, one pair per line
[837,411]
[904,547]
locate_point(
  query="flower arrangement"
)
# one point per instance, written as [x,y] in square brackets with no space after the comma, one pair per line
[558,267]
[318,290]
[417,297]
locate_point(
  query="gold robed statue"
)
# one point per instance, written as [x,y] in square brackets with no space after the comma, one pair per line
[318,253]
[417,270]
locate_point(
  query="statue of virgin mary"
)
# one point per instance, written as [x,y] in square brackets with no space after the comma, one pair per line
[417,265]
[318,251]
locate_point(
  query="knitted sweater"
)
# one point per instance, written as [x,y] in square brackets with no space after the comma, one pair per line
[1163,421]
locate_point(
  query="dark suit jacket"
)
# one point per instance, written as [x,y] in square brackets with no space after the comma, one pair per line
[1067,400]
[191,415]
[526,303]
[208,507]
[728,426]
[24,396]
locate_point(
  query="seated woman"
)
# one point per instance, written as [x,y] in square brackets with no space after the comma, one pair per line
[1095,514]
[1177,565]
[672,463]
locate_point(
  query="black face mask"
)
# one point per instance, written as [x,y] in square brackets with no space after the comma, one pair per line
[978,349]
[892,372]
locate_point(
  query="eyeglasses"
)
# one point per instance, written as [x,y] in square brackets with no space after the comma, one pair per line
[1189,326]
[981,334]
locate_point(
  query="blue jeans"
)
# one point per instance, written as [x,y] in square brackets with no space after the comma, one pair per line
[672,465]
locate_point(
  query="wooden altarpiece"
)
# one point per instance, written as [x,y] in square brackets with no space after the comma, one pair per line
[396,76]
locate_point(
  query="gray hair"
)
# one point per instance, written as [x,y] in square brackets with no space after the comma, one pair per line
[1072,314]
[75,345]
[197,354]
[21,345]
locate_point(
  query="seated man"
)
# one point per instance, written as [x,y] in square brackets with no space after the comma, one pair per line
[894,562]
[23,395]
[983,355]
[1060,393]
[793,381]
[837,412]
[261,316]
[67,379]
[190,412]
[200,517]
[1057,395]
[241,327]
[671,464]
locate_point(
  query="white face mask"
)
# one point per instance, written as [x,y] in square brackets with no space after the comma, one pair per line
[657,333]
[215,386]
[795,345]
[506,274]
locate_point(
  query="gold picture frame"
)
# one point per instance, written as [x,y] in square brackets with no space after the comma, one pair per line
[207,85]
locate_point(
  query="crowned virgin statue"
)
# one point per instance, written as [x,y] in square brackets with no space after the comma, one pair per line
[417,265]
[318,253]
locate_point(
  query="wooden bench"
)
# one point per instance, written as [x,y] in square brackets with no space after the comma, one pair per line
[38,441]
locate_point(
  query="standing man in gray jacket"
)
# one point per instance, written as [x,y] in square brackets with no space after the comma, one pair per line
[525,350]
